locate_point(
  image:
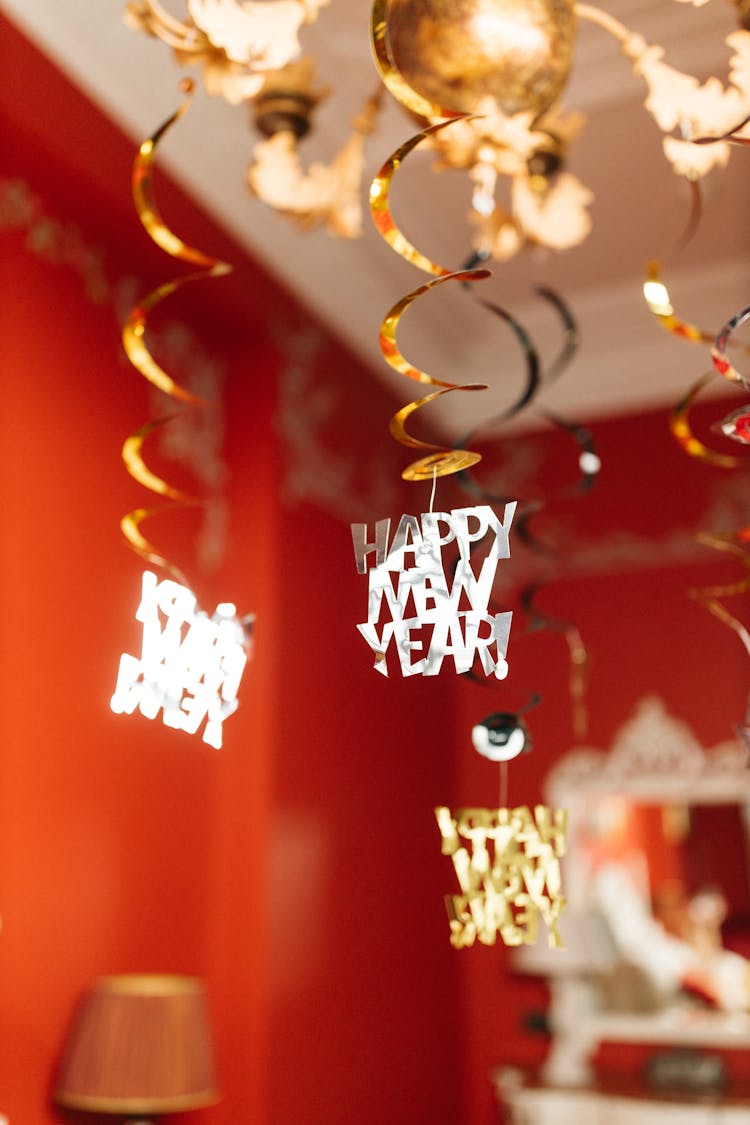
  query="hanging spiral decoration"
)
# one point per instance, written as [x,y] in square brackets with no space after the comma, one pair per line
[588,464]
[735,425]
[438,461]
[448,100]
[137,351]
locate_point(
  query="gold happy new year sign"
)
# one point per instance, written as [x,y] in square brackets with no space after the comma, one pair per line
[508,866]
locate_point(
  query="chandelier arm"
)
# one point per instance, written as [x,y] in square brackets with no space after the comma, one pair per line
[186,45]
[604,20]
[167,20]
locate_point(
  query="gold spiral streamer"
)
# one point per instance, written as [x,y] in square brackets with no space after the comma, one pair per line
[380,202]
[719,355]
[391,320]
[442,461]
[132,455]
[659,302]
[679,424]
[577,651]
[143,192]
[711,596]
[137,351]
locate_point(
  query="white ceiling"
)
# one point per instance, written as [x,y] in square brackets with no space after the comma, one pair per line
[625,361]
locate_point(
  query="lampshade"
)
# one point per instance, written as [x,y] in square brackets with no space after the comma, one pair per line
[139,1044]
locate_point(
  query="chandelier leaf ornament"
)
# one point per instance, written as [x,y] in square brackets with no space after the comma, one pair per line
[679,103]
[249,54]
[190,665]
[323,194]
[235,43]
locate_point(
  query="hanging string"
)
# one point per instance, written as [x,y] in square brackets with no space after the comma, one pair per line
[503,785]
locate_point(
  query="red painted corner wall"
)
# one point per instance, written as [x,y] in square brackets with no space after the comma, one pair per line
[298,870]
[290,869]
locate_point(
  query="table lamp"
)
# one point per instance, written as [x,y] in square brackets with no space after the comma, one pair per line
[139,1045]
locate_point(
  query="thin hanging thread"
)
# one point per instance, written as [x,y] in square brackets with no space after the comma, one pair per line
[434,486]
[503,785]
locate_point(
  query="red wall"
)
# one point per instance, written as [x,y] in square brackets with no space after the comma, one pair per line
[298,870]
[292,868]
[644,635]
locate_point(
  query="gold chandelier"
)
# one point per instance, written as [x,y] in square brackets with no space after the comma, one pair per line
[500,67]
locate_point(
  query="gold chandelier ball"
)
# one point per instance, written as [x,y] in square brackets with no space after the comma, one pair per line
[458,53]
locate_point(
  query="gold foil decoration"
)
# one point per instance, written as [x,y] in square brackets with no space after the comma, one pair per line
[660,304]
[137,351]
[380,204]
[711,596]
[719,350]
[679,424]
[507,862]
[439,461]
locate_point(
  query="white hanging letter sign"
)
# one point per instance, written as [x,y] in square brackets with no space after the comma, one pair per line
[414,608]
[190,664]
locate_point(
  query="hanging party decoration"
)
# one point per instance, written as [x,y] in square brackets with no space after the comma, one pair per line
[413,608]
[507,861]
[735,425]
[539,376]
[501,737]
[438,460]
[409,59]
[190,664]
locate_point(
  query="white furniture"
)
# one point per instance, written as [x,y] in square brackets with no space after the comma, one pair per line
[530,1105]
[655,760]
